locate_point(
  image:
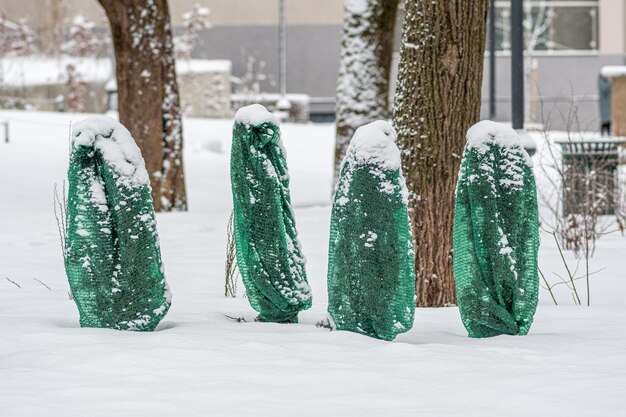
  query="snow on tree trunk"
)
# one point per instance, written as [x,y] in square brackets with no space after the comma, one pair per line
[496,233]
[363,82]
[437,99]
[149,104]
[112,254]
[371,281]
[268,251]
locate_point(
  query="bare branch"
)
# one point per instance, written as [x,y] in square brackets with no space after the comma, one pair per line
[13,282]
[548,287]
[42,283]
[232,269]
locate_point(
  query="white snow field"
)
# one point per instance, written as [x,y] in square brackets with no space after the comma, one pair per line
[201,363]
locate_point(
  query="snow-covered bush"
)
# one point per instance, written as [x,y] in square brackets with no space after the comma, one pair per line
[76,90]
[83,40]
[112,254]
[371,277]
[496,233]
[16,38]
[194,22]
[248,88]
[268,251]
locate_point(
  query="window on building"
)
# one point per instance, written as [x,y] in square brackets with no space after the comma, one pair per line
[551,25]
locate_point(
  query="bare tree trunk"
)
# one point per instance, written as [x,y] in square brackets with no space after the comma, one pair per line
[437,99]
[149,105]
[363,83]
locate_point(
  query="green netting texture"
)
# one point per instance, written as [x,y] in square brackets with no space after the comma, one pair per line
[496,234]
[371,275]
[112,255]
[269,254]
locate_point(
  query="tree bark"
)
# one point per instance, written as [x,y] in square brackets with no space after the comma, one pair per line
[437,99]
[149,104]
[363,82]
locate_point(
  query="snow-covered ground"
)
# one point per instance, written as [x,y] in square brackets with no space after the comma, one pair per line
[200,362]
[41,70]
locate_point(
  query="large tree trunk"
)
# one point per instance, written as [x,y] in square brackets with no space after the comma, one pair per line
[437,100]
[363,83]
[149,105]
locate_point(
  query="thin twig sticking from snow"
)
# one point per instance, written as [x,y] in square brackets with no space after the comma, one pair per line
[13,282]
[59,205]
[548,286]
[42,283]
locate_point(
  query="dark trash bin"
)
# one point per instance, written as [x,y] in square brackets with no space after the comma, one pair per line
[590,175]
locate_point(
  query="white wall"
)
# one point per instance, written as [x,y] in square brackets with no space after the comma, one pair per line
[612,26]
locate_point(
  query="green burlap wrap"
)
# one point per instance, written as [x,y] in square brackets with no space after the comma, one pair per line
[112,255]
[268,251]
[371,275]
[496,234]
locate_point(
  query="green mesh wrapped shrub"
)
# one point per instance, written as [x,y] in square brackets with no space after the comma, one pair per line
[496,234]
[112,255]
[371,276]
[268,251]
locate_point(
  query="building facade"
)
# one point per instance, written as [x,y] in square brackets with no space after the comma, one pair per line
[568,42]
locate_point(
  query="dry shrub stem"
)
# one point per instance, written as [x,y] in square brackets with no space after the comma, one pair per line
[59,204]
[582,196]
[232,270]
